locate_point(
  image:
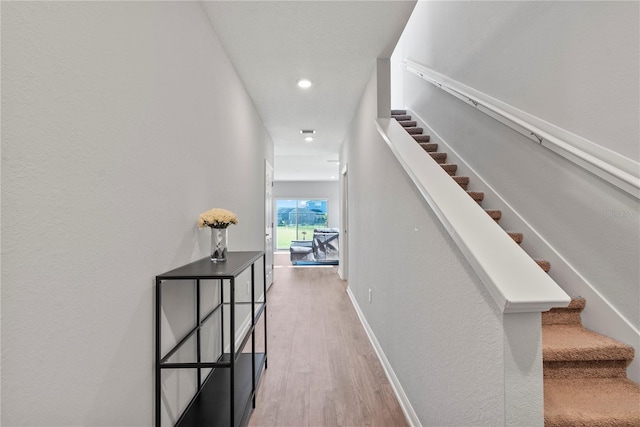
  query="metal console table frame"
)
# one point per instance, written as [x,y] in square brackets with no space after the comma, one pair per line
[207,407]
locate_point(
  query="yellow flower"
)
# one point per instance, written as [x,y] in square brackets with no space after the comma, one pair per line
[217,218]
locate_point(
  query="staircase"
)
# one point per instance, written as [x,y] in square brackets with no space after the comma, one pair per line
[585,377]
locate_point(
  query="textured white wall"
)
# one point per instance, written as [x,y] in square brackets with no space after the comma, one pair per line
[437,325]
[329,190]
[575,64]
[121,123]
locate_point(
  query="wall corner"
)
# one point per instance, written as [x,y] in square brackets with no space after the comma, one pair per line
[383,68]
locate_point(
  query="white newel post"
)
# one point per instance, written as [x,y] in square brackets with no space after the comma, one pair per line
[523,387]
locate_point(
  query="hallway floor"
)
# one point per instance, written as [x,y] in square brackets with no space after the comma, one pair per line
[322,370]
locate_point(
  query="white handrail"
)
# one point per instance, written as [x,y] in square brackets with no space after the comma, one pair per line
[514,280]
[608,165]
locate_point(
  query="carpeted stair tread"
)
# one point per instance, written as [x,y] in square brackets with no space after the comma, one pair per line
[438,157]
[414,130]
[429,147]
[569,315]
[517,237]
[478,196]
[494,213]
[401,117]
[545,265]
[597,402]
[450,168]
[577,303]
[585,369]
[422,138]
[408,123]
[575,343]
[398,112]
[463,181]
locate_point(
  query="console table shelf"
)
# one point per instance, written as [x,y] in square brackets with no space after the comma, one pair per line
[226,397]
[211,406]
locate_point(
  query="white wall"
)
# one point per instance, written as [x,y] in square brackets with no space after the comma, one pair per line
[574,64]
[397,92]
[443,336]
[329,190]
[115,136]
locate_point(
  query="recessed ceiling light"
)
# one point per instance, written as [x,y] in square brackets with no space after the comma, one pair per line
[309,139]
[304,83]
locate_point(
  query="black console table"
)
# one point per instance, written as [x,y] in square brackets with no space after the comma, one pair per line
[227,396]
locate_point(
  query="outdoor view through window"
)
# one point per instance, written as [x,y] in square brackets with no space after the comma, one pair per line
[296,220]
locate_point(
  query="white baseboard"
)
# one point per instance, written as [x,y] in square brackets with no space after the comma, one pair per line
[405,404]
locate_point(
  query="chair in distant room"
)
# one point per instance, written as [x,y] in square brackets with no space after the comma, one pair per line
[323,249]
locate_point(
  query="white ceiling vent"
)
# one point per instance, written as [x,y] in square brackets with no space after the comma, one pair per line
[307,131]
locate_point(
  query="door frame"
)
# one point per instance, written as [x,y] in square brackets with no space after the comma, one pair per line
[269,243]
[343,266]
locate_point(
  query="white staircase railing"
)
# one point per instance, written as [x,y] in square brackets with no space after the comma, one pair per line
[608,165]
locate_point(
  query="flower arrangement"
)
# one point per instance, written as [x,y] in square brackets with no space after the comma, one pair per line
[217,218]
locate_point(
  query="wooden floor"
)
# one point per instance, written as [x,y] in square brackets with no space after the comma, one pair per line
[322,370]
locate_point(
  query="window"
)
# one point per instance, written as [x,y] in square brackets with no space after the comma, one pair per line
[296,220]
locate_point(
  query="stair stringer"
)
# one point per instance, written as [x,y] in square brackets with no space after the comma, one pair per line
[600,315]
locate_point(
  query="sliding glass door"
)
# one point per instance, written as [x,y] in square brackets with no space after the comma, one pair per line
[296,219]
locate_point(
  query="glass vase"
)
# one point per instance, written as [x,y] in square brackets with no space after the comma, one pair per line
[218,244]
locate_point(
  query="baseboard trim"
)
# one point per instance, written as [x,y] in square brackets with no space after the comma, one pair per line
[405,404]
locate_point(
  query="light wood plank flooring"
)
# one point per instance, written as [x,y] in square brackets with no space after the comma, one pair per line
[322,369]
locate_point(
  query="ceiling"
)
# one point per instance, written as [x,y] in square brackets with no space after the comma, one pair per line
[335,44]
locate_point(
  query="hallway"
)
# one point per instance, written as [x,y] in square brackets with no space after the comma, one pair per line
[322,370]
